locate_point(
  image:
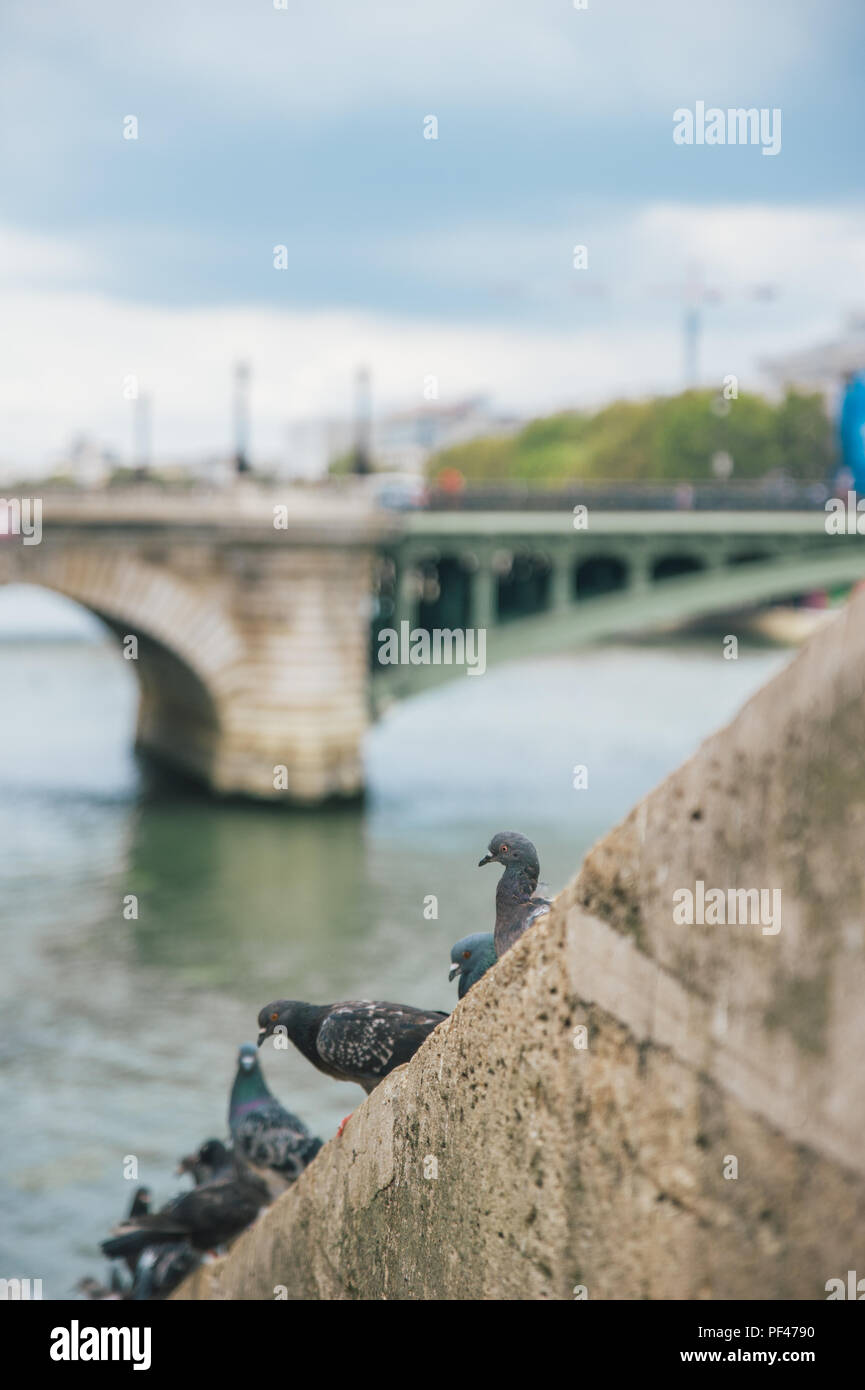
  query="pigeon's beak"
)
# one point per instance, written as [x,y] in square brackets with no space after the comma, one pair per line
[456,969]
[487,859]
[262,1034]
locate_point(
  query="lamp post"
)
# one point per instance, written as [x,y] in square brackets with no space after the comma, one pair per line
[362,452]
[241,417]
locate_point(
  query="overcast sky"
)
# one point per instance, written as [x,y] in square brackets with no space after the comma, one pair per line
[304,127]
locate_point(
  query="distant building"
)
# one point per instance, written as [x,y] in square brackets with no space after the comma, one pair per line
[86,463]
[404,441]
[401,441]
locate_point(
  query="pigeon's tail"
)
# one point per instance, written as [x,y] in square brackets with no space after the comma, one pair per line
[128,1243]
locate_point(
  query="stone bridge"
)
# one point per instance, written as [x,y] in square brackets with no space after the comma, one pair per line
[257,614]
[253,646]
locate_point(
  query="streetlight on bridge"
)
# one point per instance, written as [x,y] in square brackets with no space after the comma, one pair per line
[241,417]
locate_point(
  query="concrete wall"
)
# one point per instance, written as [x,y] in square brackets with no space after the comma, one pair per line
[604,1167]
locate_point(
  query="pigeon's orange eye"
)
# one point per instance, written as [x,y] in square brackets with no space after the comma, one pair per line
[466,955]
[274,1017]
[503,850]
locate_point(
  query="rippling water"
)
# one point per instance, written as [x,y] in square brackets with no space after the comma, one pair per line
[118,1037]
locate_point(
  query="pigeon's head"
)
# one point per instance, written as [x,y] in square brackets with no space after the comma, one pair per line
[468,953]
[213,1153]
[141,1202]
[212,1156]
[247,1057]
[509,847]
[273,1016]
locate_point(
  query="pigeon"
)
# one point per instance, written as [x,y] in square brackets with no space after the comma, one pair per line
[264,1132]
[211,1160]
[517,903]
[157,1269]
[140,1205]
[119,1288]
[206,1216]
[161,1268]
[472,958]
[358,1040]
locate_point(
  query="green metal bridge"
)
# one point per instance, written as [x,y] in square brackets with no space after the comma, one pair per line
[539,585]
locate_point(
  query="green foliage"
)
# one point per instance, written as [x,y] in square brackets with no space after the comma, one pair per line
[806,437]
[664,439]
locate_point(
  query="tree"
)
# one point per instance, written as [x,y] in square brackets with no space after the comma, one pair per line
[667,438]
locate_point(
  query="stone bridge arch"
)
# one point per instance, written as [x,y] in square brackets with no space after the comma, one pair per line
[187,645]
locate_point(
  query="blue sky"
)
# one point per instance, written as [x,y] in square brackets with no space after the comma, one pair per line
[304,127]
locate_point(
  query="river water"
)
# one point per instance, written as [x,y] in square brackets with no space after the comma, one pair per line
[118,1036]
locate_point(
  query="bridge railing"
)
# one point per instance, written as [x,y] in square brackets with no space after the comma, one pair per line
[762,495]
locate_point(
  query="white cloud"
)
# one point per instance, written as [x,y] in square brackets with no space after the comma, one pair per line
[33,258]
[64,354]
[64,358]
[812,254]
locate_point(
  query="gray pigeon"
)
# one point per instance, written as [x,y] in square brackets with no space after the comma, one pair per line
[263,1131]
[206,1216]
[471,958]
[358,1040]
[517,903]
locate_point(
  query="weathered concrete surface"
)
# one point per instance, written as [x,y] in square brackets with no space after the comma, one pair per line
[604,1167]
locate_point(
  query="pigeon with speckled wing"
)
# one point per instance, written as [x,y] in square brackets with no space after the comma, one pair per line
[358,1040]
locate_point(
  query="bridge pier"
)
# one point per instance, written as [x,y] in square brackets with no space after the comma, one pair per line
[298,705]
[252,635]
[286,719]
[562,590]
[484,593]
